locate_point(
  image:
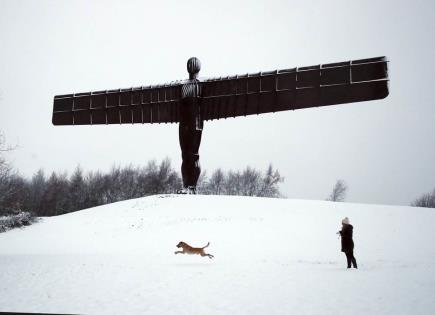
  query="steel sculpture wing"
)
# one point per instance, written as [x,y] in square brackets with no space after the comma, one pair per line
[151,104]
[290,89]
[232,96]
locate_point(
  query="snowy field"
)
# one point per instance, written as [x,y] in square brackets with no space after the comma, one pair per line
[272,256]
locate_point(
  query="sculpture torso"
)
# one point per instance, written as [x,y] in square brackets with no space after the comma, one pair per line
[190,113]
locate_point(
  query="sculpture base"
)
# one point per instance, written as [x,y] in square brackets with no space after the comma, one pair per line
[187,191]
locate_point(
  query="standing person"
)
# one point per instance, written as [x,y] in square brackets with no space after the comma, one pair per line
[347,242]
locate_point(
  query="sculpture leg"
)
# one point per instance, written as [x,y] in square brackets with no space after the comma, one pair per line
[190,140]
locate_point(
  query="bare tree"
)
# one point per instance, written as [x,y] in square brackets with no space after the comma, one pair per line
[249,182]
[37,187]
[5,187]
[338,192]
[96,187]
[215,185]
[269,186]
[161,179]
[77,189]
[3,146]
[426,200]
[233,185]
[56,199]
[7,178]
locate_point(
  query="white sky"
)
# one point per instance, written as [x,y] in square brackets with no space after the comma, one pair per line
[384,150]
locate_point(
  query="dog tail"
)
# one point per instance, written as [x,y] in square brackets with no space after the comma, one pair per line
[206,245]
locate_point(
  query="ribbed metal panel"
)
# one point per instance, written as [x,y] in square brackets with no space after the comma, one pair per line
[152,104]
[296,88]
[231,96]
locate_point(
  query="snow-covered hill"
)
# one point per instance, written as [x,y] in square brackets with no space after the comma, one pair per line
[272,256]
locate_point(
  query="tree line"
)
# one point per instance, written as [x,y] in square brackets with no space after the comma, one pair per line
[58,193]
[249,182]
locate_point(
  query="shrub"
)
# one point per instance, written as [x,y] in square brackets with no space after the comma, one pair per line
[16,220]
[426,200]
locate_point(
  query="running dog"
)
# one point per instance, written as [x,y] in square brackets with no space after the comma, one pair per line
[192,250]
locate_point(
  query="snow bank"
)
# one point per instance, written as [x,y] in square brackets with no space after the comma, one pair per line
[272,256]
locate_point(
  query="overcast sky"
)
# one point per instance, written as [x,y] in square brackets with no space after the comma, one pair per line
[384,150]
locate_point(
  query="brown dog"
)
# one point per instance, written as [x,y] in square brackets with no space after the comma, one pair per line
[193,250]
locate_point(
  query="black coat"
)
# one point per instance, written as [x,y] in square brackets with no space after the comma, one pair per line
[346,238]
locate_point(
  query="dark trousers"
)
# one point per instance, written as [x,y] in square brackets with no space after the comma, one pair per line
[350,259]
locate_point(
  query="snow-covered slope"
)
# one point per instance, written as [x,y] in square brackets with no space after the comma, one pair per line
[272,256]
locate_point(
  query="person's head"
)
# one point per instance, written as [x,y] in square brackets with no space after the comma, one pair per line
[345,221]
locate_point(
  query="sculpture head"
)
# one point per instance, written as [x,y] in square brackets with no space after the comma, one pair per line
[193,67]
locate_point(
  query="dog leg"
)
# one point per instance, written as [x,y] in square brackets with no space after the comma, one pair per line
[179,252]
[208,255]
